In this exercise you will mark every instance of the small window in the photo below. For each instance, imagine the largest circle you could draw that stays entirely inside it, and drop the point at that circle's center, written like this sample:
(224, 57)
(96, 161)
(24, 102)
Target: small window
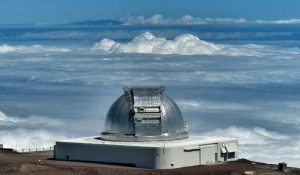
(231, 155)
(172, 164)
(67, 157)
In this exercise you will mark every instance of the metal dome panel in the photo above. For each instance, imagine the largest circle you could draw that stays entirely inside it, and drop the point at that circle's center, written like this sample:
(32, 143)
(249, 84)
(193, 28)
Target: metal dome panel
(144, 114)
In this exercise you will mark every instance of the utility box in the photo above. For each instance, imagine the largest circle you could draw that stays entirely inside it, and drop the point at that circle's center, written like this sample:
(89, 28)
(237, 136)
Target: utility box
(282, 167)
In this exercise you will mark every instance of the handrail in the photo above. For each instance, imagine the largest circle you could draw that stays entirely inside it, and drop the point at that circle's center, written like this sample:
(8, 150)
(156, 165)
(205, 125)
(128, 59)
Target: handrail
(30, 150)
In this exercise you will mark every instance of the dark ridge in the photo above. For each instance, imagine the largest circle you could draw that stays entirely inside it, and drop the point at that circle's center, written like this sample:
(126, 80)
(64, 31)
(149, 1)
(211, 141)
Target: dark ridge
(98, 22)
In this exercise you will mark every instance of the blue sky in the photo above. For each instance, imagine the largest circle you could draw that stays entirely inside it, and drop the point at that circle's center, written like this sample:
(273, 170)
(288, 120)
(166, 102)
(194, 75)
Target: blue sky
(57, 11)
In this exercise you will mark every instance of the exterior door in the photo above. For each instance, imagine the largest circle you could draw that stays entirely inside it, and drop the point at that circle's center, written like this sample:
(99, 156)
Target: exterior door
(207, 154)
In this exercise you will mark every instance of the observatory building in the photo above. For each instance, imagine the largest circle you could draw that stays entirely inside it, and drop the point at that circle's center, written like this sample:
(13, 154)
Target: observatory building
(145, 128)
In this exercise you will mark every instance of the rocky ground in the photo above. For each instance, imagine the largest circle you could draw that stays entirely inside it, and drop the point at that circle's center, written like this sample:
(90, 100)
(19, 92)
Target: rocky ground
(18, 164)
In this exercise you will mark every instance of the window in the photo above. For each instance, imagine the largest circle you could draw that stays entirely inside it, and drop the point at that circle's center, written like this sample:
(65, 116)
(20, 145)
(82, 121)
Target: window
(231, 155)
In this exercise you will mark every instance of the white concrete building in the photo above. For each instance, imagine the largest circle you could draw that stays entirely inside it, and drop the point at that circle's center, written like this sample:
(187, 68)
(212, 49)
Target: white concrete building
(145, 128)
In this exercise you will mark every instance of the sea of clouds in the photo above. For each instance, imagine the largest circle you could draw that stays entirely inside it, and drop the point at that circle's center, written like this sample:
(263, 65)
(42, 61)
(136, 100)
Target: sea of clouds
(254, 143)
(63, 87)
(28, 133)
(148, 43)
(188, 44)
(262, 145)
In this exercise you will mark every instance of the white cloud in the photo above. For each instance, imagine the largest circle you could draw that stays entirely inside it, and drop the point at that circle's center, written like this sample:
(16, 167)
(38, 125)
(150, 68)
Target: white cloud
(255, 136)
(158, 19)
(187, 44)
(131, 20)
(259, 144)
(185, 20)
(30, 132)
(5, 119)
(4, 48)
(24, 138)
(282, 21)
(29, 121)
(274, 152)
(189, 105)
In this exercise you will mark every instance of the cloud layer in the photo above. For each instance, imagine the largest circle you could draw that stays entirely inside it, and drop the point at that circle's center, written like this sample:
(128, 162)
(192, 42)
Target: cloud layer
(187, 44)
(257, 96)
(24, 133)
(255, 136)
(158, 19)
(4, 48)
(262, 145)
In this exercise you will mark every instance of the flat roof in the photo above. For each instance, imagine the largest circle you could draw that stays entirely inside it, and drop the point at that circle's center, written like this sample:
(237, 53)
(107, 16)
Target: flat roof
(200, 140)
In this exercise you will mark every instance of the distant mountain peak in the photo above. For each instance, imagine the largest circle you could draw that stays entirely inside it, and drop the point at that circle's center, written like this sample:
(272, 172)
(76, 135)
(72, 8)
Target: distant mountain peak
(98, 22)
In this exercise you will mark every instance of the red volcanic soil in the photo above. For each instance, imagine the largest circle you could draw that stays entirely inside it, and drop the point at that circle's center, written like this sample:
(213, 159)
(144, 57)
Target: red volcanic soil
(15, 164)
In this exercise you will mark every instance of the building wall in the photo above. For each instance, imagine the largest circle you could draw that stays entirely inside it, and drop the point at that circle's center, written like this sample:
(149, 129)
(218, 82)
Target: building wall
(145, 157)
(140, 157)
(175, 157)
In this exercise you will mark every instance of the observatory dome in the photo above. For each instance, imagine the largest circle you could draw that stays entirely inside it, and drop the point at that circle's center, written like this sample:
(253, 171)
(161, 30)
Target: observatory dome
(144, 114)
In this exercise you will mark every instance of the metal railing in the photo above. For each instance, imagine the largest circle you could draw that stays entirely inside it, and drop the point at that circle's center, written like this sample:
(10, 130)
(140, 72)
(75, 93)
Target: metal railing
(30, 150)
